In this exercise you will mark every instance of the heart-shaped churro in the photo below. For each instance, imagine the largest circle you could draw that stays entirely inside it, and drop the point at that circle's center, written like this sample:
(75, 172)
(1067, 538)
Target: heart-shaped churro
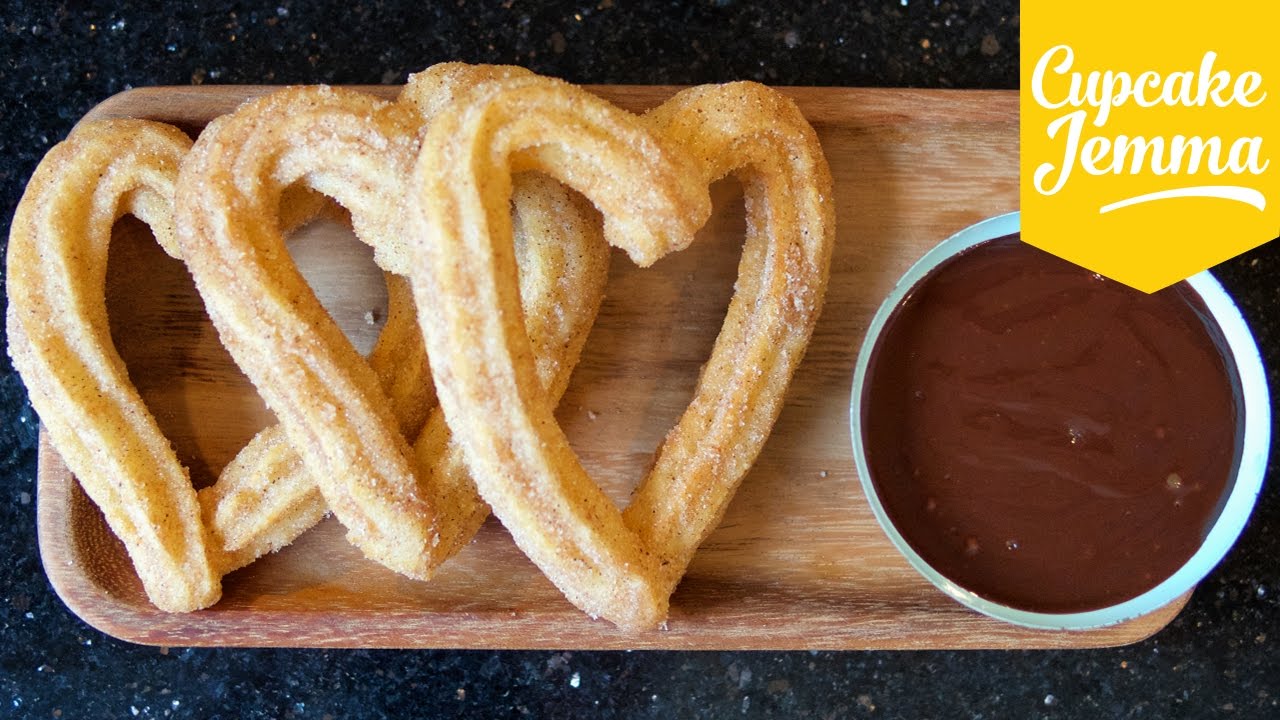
(649, 178)
(408, 509)
(354, 149)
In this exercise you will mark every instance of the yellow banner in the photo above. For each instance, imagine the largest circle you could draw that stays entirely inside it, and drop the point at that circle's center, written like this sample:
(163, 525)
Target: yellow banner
(1150, 134)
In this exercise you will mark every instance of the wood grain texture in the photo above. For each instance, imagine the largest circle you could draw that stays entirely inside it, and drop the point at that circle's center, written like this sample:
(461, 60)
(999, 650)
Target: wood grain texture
(798, 562)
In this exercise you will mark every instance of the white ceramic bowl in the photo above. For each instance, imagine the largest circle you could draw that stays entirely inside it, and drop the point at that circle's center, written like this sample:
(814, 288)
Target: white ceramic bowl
(1243, 491)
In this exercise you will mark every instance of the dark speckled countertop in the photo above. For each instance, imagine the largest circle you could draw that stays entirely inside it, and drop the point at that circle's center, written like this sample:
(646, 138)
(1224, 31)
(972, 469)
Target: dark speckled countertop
(57, 60)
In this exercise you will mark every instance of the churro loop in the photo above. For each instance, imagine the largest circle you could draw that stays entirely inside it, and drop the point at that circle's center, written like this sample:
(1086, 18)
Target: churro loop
(60, 342)
(265, 498)
(649, 179)
(563, 263)
(356, 150)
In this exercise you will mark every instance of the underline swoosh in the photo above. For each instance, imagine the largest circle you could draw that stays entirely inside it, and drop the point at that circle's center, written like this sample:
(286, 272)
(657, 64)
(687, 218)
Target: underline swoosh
(1248, 196)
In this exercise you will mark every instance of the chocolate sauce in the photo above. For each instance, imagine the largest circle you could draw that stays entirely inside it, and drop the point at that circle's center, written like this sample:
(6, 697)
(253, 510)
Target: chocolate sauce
(1047, 438)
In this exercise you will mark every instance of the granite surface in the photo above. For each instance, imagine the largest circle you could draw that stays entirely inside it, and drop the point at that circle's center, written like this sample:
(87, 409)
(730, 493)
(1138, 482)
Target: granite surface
(57, 60)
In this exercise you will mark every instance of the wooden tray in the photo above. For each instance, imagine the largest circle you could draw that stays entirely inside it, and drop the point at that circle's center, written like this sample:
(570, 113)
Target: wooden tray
(798, 562)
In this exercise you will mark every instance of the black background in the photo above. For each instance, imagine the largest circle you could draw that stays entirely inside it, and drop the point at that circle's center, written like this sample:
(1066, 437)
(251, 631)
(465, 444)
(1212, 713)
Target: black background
(56, 61)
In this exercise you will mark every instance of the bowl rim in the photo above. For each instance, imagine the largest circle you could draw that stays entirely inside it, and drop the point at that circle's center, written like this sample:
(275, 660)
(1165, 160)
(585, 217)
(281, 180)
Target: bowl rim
(1226, 529)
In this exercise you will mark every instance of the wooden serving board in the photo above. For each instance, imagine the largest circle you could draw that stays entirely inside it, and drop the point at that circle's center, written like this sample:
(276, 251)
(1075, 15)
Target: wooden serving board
(798, 562)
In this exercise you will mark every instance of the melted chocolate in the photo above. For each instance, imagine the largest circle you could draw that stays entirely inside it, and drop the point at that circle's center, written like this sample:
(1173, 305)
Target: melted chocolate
(1047, 438)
